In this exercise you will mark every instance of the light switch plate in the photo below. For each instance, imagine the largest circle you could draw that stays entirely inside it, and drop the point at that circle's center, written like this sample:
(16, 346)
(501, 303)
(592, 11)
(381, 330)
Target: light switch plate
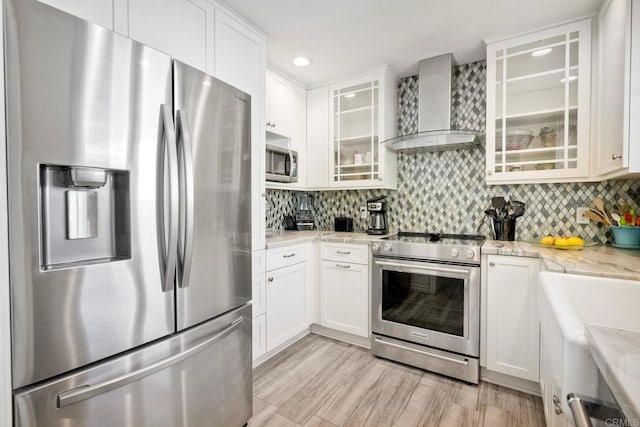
(580, 218)
(363, 212)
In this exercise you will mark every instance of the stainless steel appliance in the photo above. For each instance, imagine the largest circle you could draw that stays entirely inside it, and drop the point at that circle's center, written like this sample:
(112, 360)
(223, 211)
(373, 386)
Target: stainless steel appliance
(377, 207)
(304, 216)
(425, 302)
(130, 255)
(282, 164)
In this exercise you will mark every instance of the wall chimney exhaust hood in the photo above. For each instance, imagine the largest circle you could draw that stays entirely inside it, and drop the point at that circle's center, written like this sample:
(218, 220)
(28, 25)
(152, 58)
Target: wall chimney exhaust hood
(435, 131)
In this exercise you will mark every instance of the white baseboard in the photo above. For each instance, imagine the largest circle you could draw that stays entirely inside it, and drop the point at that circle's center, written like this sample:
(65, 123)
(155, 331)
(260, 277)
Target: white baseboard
(269, 354)
(341, 336)
(526, 386)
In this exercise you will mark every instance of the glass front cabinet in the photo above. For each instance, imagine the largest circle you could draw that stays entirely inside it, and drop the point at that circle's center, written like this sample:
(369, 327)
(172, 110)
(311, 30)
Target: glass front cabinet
(362, 114)
(538, 105)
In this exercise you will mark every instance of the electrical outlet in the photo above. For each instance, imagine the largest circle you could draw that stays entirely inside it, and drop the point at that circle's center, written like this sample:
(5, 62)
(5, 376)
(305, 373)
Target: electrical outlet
(363, 212)
(580, 218)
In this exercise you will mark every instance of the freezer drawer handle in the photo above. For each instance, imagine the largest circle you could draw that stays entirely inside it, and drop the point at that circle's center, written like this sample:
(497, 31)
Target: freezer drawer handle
(185, 156)
(84, 392)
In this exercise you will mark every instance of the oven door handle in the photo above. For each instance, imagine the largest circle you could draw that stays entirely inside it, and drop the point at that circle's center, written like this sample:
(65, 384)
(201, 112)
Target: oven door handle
(423, 267)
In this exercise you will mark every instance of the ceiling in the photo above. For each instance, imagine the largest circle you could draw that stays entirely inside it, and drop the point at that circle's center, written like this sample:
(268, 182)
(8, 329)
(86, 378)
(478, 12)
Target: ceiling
(347, 37)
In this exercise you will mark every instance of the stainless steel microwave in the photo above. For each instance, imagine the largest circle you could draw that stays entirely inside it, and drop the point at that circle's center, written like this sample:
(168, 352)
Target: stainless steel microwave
(282, 164)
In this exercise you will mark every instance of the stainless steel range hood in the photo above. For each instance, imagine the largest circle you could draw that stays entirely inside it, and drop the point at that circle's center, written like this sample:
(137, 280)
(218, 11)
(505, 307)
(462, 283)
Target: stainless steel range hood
(435, 131)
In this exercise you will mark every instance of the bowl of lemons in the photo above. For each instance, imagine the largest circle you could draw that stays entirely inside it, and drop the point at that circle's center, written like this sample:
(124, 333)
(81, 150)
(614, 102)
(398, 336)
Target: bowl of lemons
(567, 243)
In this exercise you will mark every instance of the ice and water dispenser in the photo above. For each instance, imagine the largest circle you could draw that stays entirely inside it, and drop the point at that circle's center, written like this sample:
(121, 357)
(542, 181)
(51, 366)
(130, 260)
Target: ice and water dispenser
(85, 215)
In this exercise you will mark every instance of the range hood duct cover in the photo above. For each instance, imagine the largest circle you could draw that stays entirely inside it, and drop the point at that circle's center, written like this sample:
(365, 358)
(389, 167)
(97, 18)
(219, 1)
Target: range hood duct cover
(435, 131)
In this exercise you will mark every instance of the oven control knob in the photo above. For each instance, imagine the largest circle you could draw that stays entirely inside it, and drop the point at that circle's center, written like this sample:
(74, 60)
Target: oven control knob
(387, 247)
(470, 253)
(455, 252)
(375, 247)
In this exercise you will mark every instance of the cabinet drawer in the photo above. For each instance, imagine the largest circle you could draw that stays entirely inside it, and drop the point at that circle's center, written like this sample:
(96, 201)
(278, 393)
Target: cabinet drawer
(345, 252)
(288, 255)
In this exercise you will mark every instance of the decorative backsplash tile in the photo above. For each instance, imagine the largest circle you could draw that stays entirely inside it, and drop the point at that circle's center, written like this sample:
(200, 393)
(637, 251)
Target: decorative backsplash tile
(446, 191)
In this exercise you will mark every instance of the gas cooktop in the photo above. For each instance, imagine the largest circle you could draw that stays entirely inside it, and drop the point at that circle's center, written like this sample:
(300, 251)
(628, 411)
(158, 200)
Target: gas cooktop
(462, 248)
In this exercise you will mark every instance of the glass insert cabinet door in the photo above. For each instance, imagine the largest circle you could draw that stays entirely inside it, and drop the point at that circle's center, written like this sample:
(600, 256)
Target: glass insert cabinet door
(538, 104)
(356, 132)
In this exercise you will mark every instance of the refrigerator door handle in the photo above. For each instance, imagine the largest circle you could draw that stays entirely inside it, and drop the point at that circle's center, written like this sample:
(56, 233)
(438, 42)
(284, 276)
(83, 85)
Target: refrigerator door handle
(186, 185)
(168, 244)
(87, 391)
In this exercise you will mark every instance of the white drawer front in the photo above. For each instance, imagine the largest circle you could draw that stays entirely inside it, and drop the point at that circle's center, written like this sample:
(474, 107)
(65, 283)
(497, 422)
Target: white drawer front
(288, 255)
(345, 252)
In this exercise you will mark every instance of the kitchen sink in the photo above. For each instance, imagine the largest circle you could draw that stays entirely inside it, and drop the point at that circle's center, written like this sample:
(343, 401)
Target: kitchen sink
(567, 302)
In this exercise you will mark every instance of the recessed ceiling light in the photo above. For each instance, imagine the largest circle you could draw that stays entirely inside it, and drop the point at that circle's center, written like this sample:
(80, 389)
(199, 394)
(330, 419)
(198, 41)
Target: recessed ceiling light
(301, 61)
(350, 95)
(541, 52)
(571, 78)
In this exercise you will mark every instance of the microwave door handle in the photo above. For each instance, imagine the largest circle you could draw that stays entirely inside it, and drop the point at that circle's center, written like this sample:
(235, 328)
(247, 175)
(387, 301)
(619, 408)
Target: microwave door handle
(424, 267)
(87, 391)
(167, 222)
(185, 246)
(287, 164)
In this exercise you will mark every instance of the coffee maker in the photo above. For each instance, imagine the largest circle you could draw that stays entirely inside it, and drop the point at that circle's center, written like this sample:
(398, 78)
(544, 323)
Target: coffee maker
(304, 217)
(377, 208)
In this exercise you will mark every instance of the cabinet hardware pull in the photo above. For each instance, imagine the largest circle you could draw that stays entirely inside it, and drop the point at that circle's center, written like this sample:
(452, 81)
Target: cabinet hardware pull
(343, 266)
(556, 405)
(269, 124)
(273, 125)
(288, 256)
(615, 156)
(270, 279)
(489, 172)
(344, 252)
(492, 264)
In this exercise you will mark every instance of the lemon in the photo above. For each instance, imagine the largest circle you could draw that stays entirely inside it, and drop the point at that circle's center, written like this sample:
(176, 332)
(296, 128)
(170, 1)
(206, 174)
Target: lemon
(547, 240)
(562, 241)
(575, 241)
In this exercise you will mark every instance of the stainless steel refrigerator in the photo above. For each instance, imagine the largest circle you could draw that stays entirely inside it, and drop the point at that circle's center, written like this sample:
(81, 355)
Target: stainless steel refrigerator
(130, 230)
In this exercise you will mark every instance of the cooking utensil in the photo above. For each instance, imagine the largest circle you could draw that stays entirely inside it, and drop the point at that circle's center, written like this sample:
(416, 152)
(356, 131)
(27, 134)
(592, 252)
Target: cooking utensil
(499, 203)
(616, 218)
(599, 204)
(596, 216)
(491, 213)
(518, 209)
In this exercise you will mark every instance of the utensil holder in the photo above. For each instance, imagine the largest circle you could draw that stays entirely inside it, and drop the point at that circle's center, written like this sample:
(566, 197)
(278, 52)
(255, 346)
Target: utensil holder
(503, 229)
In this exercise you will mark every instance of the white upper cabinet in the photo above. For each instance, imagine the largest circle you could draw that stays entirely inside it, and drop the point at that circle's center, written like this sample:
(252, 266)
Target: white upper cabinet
(617, 146)
(362, 114)
(538, 105)
(286, 122)
(318, 138)
(176, 27)
(97, 11)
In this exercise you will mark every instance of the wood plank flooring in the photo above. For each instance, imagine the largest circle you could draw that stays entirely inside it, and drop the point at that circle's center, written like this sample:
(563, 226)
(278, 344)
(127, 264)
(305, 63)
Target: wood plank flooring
(320, 382)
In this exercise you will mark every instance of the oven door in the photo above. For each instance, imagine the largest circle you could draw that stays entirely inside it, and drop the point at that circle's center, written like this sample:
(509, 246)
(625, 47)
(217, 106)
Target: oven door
(426, 303)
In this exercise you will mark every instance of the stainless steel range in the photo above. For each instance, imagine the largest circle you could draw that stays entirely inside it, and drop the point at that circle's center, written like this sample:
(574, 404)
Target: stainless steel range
(425, 304)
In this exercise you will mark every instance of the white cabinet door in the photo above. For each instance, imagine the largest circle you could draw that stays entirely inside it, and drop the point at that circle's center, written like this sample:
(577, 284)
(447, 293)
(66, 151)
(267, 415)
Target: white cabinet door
(280, 111)
(512, 319)
(258, 286)
(259, 336)
(286, 303)
(344, 302)
(258, 198)
(318, 137)
(97, 11)
(176, 27)
(613, 90)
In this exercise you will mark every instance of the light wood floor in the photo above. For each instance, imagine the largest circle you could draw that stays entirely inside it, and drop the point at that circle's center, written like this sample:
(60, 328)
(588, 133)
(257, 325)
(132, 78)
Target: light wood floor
(320, 382)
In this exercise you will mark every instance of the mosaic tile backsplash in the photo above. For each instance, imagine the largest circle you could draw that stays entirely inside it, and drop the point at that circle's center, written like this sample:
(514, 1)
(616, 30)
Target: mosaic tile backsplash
(446, 191)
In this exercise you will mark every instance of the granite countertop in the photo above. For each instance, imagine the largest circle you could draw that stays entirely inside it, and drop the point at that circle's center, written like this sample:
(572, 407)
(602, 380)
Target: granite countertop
(603, 261)
(617, 355)
(284, 238)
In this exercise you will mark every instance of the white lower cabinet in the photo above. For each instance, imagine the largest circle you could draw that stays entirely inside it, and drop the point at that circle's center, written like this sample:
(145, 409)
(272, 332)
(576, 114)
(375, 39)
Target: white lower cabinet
(344, 304)
(512, 326)
(286, 303)
(259, 336)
